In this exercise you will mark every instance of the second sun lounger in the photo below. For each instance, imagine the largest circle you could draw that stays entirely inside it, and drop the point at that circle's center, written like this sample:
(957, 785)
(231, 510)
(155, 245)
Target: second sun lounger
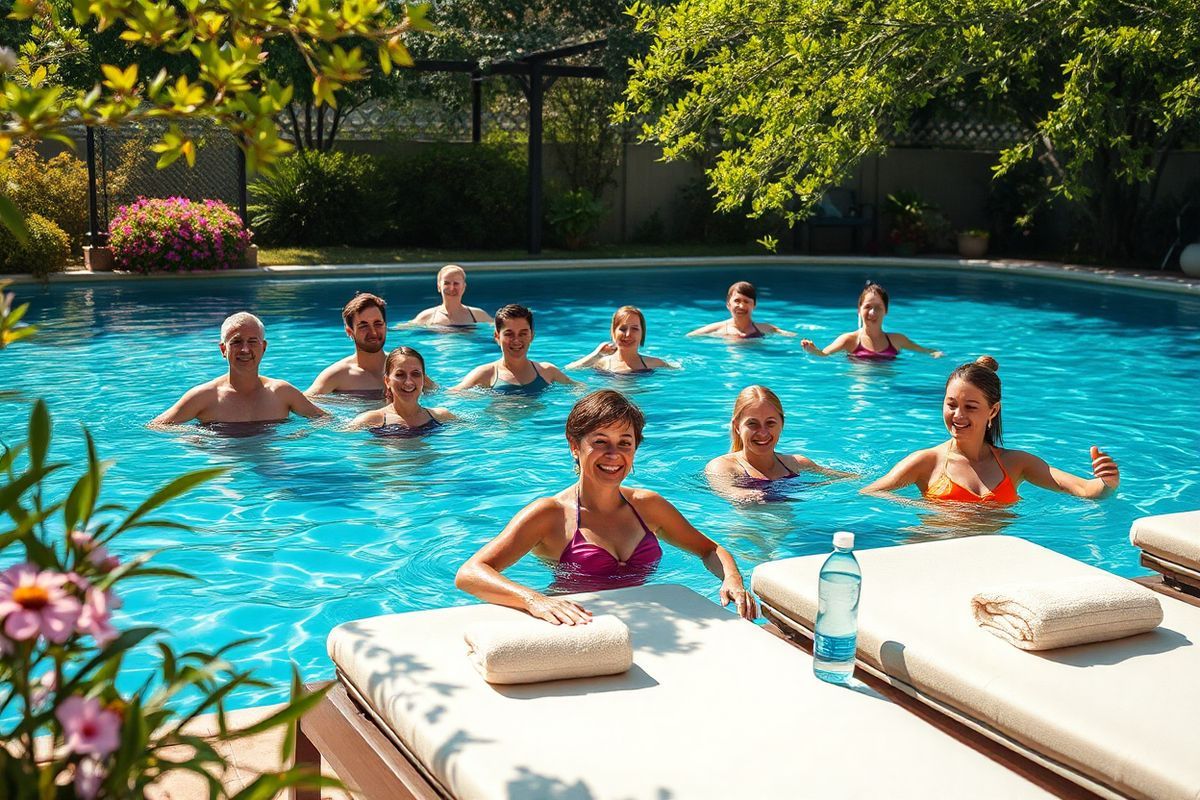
(714, 707)
(1170, 544)
(1117, 717)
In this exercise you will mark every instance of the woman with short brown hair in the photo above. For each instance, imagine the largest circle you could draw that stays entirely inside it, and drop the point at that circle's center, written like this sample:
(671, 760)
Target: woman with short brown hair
(598, 534)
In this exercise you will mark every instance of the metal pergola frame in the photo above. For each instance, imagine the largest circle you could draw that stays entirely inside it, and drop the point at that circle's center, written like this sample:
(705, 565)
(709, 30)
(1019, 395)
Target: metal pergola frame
(534, 73)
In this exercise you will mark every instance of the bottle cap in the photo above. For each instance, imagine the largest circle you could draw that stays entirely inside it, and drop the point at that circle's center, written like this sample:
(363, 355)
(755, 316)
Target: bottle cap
(843, 540)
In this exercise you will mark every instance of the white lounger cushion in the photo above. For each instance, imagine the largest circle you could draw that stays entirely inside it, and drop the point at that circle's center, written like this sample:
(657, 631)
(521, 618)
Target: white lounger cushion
(1122, 713)
(714, 707)
(1171, 537)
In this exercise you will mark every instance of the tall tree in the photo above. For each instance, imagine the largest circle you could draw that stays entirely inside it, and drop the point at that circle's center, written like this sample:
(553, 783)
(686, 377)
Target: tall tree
(798, 93)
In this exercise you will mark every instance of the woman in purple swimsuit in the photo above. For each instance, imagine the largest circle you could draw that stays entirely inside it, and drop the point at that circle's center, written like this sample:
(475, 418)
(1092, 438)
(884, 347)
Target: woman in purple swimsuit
(600, 535)
(753, 470)
(741, 300)
(869, 342)
(404, 379)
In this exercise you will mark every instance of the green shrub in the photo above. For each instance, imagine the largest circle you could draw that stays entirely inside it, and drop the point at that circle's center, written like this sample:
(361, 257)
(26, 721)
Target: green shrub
(55, 188)
(45, 252)
(573, 217)
(455, 195)
(316, 198)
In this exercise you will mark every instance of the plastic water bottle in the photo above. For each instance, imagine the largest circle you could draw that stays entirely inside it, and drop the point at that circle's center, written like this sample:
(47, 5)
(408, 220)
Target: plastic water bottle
(836, 628)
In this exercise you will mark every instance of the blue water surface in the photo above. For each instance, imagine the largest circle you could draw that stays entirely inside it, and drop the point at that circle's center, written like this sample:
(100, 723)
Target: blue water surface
(314, 526)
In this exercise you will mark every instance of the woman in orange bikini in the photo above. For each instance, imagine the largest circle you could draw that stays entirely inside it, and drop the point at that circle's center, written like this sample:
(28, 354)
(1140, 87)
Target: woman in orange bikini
(972, 467)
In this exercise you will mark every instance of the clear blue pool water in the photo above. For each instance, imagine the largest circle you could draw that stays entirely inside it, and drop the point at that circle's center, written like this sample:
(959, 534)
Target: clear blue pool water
(314, 526)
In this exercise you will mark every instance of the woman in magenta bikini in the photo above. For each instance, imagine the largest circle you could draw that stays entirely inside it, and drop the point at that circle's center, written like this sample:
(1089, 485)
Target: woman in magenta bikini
(599, 534)
(869, 342)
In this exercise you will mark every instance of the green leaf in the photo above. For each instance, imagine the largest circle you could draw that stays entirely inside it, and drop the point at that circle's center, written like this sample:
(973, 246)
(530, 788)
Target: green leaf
(294, 711)
(13, 219)
(39, 433)
(174, 489)
(126, 640)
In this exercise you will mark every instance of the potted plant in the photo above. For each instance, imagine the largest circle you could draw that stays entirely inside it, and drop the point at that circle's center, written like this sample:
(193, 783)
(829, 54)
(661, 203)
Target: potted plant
(909, 213)
(574, 215)
(973, 243)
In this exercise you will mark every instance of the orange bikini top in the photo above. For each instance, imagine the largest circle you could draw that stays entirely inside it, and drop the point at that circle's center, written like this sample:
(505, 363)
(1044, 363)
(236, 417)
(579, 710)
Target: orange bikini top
(943, 488)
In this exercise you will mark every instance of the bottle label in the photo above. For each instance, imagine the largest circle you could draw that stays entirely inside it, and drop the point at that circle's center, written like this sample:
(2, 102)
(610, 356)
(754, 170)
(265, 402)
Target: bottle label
(835, 648)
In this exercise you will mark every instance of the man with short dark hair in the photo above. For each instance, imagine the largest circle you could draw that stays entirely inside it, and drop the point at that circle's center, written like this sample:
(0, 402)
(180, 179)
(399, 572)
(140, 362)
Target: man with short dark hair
(361, 373)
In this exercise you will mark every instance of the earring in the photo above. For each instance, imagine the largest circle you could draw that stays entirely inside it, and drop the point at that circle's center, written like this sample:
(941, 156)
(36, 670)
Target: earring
(577, 466)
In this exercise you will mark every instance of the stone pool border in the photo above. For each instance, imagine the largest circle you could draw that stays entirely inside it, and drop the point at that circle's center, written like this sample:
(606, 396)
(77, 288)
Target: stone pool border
(1151, 280)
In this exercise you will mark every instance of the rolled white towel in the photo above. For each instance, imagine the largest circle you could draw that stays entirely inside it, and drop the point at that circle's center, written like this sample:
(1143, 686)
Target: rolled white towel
(528, 650)
(1067, 612)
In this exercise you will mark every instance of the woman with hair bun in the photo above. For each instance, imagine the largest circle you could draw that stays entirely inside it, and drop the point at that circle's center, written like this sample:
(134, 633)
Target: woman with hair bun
(972, 467)
(621, 354)
(753, 463)
(598, 534)
(404, 379)
(869, 342)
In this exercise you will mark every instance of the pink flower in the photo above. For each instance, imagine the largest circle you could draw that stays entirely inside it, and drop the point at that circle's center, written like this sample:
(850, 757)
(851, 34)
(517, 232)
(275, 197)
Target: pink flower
(88, 727)
(95, 618)
(33, 603)
(97, 554)
(89, 774)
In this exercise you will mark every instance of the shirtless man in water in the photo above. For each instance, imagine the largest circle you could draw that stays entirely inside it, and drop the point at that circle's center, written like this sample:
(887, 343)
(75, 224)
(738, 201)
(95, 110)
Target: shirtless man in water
(360, 373)
(241, 395)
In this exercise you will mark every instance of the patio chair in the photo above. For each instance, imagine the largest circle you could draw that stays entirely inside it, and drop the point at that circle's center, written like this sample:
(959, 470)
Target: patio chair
(1170, 544)
(714, 706)
(840, 209)
(1116, 717)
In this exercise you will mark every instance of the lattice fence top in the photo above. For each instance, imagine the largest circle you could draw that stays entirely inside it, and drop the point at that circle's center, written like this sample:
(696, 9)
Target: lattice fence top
(427, 120)
(965, 132)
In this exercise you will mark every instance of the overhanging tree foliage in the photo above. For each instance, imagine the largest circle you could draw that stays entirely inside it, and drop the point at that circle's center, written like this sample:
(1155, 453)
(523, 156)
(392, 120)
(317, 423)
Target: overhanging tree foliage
(798, 93)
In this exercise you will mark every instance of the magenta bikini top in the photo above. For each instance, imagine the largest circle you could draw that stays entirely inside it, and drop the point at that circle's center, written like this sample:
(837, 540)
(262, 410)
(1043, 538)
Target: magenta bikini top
(888, 352)
(584, 566)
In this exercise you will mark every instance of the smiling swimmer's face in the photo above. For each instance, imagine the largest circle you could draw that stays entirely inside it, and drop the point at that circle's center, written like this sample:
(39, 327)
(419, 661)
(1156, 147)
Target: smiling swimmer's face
(739, 305)
(369, 330)
(966, 411)
(515, 337)
(244, 347)
(406, 379)
(759, 427)
(452, 283)
(606, 454)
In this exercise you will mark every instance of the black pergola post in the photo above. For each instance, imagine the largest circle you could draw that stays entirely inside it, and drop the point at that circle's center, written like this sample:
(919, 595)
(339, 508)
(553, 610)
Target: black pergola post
(96, 237)
(535, 157)
(476, 107)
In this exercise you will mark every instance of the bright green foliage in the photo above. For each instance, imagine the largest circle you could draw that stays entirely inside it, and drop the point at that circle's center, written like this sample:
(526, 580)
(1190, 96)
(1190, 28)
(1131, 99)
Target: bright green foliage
(44, 250)
(56, 188)
(797, 93)
(63, 537)
(11, 327)
(218, 50)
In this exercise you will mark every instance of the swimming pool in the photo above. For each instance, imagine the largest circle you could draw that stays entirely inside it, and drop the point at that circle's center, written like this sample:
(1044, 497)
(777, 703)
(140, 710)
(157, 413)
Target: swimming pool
(314, 526)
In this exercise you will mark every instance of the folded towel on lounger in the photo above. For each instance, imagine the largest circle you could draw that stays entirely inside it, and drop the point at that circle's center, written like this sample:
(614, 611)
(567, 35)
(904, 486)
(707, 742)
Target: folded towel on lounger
(1067, 612)
(528, 650)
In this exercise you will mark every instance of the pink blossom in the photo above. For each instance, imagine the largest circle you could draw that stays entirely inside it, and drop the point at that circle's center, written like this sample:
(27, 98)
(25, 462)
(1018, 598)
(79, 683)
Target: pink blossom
(89, 774)
(35, 603)
(97, 554)
(95, 618)
(88, 727)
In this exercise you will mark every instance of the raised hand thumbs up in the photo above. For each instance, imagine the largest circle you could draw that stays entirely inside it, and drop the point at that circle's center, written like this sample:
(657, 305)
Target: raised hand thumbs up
(1104, 468)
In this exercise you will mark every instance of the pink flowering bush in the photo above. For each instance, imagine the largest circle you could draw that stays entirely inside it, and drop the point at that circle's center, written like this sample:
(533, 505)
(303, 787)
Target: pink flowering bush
(177, 235)
(61, 650)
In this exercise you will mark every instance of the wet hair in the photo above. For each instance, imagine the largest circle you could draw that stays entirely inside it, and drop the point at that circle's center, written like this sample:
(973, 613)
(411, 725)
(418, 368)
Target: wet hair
(449, 268)
(513, 311)
(873, 288)
(360, 303)
(403, 351)
(234, 321)
(982, 374)
(630, 311)
(745, 398)
(744, 288)
(600, 409)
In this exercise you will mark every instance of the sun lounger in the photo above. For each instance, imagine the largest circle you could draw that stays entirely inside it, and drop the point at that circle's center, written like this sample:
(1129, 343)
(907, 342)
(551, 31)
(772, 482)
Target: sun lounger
(1117, 717)
(1170, 544)
(714, 707)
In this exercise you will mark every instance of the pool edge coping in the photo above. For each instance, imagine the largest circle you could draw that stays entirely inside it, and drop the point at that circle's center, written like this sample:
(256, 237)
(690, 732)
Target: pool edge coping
(1152, 281)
